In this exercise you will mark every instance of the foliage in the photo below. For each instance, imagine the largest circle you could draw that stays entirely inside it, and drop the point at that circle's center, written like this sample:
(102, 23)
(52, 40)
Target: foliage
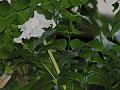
(84, 47)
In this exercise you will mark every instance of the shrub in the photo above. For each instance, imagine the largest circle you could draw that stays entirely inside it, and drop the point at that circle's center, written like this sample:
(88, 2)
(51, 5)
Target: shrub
(61, 45)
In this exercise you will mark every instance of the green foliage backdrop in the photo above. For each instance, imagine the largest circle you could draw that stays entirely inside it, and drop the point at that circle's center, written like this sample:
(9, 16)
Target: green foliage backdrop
(83, 44)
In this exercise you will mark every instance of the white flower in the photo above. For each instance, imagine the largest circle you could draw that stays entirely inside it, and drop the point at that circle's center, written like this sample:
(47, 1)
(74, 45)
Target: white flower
(34, 27)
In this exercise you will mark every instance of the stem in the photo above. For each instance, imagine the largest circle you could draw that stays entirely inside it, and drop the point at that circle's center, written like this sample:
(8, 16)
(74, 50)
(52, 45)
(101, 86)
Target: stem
(69, 38)
(53, 59)
(68, 43)
(41, 62)
(49, 71)
(116, 85)
(29, 49)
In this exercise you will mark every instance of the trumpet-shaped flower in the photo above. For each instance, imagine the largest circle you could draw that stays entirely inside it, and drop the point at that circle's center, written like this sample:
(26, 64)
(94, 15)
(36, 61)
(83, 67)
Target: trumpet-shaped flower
(34, 27)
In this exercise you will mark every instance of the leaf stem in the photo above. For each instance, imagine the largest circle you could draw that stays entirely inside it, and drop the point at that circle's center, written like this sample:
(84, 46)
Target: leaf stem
(29, 49)
(49, 71)
(53, 59)
(41, 62)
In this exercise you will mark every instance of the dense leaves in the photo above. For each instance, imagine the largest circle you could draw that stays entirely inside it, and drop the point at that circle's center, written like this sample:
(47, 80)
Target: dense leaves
(83, 46)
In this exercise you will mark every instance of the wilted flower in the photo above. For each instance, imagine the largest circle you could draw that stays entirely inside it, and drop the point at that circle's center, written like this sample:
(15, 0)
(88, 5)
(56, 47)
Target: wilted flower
(34, 27)
(4, 79)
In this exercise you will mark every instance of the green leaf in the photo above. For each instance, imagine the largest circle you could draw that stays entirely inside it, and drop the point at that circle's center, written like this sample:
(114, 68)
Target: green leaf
(96, 44)
(15, 83)
(8, 69)
(117, 16)
(116, 27)
(76, 18)
(67, 15)
(6, 41)
(78, 2)
(20, 4)
(95, 79)
(24, 15)
(75, 76)
(59, 44)
(75, 31)
(63, 28)
(76, 44)
(44, 36)
(4, 8)
(3, 25)
(4, 53)
(6, 45)
(86, 53)
(64, 4)
(44, 83)
(24, 53)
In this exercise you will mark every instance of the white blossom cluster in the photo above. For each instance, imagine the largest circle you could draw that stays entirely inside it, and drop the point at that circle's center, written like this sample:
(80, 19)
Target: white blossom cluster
(34, 27)
(9, 1)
